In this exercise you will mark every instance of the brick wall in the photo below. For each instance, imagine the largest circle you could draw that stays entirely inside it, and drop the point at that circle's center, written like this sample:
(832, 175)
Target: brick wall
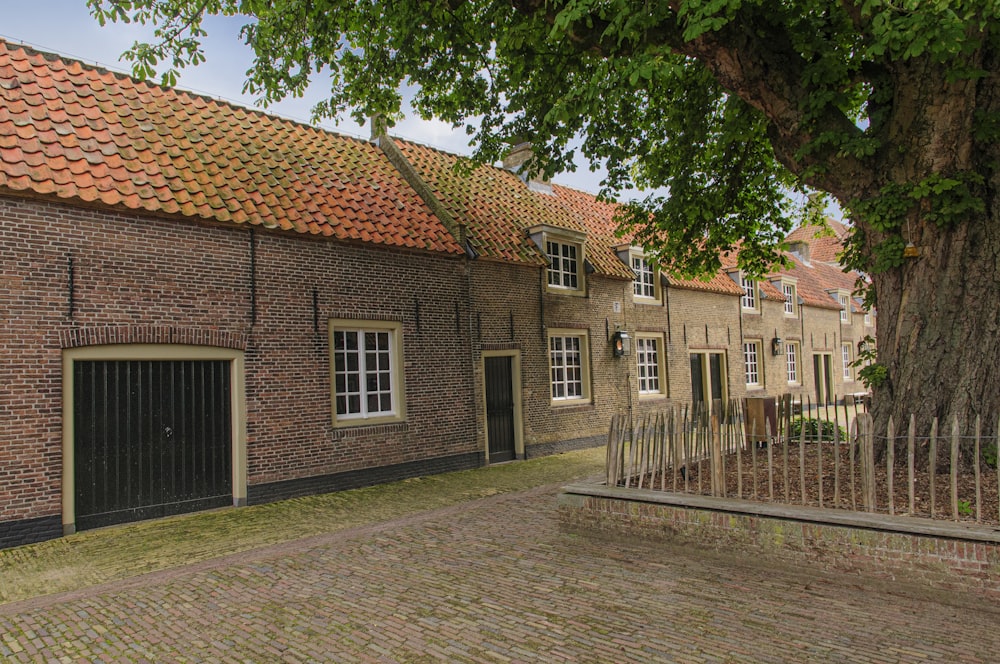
(511, 309)
(141, 279)
(704, 322)
(950, 557)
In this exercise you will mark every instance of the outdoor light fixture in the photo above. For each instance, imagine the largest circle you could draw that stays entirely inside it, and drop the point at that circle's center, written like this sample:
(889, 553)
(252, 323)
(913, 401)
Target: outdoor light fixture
(776, 346)
(621, 343)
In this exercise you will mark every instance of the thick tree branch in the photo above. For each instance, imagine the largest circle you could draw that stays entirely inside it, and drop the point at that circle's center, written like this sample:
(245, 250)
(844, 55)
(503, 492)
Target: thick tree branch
(755, 61)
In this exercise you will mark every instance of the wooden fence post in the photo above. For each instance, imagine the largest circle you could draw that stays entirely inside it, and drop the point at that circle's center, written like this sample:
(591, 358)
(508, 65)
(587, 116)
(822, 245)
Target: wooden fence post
(802, 462)
(738, 420)
(979, 489)
(932, 465)
(954, 467)
(836, 453)
(911, 461)
(715, 457)
(866, 436)
(770, 459)
(890, 459)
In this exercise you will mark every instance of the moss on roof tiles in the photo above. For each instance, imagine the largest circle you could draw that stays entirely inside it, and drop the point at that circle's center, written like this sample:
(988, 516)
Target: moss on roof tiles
(124, 127)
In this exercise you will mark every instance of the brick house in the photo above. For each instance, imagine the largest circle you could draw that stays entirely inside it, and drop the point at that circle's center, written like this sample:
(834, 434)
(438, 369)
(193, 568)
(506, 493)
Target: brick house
(184, 287)
(203, 305)
(551, 283)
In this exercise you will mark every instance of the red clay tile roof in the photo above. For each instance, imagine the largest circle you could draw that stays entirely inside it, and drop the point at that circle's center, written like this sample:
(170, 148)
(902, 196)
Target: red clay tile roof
(813, 282)
(824, 247)
(87, 135)
(496, 207)
(719, 283)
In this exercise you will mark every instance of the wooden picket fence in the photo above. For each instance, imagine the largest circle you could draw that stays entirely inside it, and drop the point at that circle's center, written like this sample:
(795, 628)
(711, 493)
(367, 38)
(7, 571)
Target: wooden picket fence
(714, 450)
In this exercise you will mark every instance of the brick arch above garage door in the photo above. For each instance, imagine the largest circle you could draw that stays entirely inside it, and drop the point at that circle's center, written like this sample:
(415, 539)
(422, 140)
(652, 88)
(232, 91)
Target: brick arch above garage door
(152, 334)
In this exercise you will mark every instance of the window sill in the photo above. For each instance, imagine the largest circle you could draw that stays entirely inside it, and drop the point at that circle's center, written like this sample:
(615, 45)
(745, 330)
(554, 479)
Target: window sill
(352, 423)
(569, 404)
(572, 292)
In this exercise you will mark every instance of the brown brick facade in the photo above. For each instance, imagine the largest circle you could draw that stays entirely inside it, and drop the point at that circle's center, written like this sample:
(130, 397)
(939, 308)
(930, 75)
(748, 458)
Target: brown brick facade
(73, 277)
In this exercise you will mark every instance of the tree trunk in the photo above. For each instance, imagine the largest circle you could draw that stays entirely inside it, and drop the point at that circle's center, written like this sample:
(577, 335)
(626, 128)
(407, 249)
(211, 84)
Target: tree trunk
(938, 314)
(939, 329)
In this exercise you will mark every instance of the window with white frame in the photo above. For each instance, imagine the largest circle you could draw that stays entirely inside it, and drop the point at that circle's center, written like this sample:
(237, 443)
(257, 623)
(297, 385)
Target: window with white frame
(644, 286)
(568, 365)
(845, 355)
(845, 308)
(790, 298)
(366, 371)
(564, 264)
(749, 299)
(868, 318)
(751, 360)
(792, 361)
(649, 364)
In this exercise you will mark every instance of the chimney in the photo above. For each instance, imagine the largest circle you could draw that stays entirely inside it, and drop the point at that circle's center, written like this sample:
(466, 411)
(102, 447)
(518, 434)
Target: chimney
(514, 162)
(801, 249)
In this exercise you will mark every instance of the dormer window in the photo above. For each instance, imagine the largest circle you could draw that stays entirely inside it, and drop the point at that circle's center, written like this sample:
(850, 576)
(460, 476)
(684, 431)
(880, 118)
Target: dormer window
(845, 307)
(791, 298)
(645, 286)
(564, 264)
(564, 249)
(749, 299)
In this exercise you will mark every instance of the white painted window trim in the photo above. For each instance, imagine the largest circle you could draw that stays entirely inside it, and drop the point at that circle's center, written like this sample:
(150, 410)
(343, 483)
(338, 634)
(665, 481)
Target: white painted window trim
(569, 366)
(751, 363)
(650, 375)
(370, 365)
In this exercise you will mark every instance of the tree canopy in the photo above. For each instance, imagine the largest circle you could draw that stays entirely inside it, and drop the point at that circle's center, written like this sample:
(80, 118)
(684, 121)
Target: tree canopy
(890, 106)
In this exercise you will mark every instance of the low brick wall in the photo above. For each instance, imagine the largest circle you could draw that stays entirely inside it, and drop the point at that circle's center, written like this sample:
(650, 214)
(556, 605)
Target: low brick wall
(933, 553)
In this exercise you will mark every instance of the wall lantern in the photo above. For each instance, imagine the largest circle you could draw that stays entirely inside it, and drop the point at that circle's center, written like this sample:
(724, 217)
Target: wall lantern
(776, 346)
(621, 343)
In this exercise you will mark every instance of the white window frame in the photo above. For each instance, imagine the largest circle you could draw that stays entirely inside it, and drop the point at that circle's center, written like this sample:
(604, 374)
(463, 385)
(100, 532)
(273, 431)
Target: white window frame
(370, 366)
(792, 362)
(569, 366)
(649, 362)
(791, 298)
(564, 269)
(845, 358)
(845, 307)
(868, 318)
(749, 299)
(645, 286)
(752, 363)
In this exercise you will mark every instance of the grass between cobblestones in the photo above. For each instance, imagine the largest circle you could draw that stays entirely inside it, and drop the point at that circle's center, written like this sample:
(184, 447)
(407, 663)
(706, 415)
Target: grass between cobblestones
(98, 556)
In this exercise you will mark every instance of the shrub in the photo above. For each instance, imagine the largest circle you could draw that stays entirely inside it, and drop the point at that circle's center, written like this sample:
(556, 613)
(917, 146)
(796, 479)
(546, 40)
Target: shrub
(813, 425)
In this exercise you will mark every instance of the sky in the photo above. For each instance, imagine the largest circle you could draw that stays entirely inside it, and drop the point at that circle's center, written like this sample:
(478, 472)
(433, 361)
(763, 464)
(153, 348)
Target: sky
(65, 27)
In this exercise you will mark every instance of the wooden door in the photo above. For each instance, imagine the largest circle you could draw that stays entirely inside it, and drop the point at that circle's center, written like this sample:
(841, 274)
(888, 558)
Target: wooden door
(500, 415)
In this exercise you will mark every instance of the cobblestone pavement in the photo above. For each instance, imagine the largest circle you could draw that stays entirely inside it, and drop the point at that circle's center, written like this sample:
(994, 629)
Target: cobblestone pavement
(494, 580)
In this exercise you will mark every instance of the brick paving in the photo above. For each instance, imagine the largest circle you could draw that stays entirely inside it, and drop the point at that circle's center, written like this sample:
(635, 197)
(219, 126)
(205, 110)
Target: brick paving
(494, 580)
